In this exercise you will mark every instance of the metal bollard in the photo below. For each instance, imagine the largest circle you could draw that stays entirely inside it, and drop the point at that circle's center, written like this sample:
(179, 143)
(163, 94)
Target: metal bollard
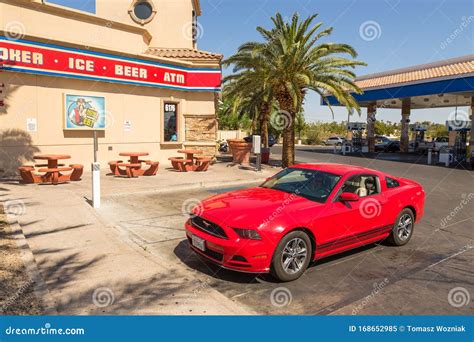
(429, 156)
(95, 185)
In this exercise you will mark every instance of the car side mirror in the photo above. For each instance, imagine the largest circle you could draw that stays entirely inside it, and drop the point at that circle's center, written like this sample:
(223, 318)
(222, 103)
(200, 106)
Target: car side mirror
(348, 197)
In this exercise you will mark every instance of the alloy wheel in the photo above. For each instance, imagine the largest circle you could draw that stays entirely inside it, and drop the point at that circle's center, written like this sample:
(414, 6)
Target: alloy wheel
(405, 226)
(294, 255)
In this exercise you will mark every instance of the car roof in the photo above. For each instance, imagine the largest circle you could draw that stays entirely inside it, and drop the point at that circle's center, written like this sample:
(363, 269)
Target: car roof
(337, 169)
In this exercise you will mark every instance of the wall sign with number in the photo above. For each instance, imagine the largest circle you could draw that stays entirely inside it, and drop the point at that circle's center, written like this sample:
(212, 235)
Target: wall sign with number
(170, 122)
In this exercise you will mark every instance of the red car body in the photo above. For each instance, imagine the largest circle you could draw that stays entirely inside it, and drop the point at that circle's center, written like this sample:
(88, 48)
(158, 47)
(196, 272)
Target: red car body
(333, 226)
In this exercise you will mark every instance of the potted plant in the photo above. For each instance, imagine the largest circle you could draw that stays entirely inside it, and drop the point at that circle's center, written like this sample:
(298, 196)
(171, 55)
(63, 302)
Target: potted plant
(240, 150)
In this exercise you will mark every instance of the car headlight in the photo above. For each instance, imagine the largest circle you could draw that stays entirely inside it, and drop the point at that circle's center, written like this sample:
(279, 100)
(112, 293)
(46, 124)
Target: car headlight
(250, 234)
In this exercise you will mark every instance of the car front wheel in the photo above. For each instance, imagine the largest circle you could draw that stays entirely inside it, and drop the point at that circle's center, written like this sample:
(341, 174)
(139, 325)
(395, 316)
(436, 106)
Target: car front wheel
(402, 230)
(292, 256)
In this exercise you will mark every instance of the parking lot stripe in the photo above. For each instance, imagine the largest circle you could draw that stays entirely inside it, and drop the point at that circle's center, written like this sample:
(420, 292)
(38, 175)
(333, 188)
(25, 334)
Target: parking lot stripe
(464, 249)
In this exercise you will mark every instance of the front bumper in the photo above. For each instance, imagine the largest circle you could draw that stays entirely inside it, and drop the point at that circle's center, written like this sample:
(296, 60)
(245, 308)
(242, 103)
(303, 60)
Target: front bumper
(252, 256)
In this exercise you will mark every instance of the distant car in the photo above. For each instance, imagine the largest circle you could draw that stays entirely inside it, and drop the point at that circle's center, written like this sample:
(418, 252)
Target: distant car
(382, 139)
(271, 139)
(440, 142)
(390, 146)
(328, 209)
(338, 141)
(435, 145)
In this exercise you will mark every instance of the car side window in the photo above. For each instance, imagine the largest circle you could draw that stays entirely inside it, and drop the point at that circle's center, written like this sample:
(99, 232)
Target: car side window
(362, 185)
(391, 183)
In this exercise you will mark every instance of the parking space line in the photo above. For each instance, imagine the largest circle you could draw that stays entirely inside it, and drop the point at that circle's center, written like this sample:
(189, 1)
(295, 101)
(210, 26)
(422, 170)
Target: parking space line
(464, 249)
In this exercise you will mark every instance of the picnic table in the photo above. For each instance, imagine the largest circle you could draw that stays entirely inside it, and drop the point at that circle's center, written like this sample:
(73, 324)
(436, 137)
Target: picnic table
(190, 162)
(52, 159)
(190, 153)
(133, 168)
(53, 170)
(134, 156)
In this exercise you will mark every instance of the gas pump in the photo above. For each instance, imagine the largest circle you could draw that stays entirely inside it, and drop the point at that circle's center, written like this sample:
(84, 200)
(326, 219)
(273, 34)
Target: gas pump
(357, 129)
(418, 131)
(459, 150)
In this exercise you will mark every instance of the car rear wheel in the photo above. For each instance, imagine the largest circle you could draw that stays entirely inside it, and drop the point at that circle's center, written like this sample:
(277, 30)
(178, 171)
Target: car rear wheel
(403, 228)
(292, 256)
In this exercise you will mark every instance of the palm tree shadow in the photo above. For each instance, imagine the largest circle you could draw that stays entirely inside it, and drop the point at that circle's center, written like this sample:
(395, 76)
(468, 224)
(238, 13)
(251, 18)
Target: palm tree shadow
(17, 148)
(109, 297)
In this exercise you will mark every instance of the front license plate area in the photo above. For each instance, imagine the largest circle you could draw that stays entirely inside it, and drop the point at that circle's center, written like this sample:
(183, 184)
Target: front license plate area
(198, 243)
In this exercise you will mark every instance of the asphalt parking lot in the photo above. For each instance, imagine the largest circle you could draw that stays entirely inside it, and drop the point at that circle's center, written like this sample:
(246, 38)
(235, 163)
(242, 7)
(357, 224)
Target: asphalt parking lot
(432, 274)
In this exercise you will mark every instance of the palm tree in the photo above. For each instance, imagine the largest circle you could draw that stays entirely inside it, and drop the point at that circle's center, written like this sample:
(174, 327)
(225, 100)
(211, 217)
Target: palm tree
(249, 91)
(295, 62)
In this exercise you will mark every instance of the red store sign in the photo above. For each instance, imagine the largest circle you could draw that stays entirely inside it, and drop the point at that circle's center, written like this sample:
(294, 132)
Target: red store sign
(45, 59)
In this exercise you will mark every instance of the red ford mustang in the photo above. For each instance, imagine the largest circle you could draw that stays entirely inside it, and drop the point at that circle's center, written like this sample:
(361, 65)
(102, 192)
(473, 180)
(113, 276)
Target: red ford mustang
(303, 213)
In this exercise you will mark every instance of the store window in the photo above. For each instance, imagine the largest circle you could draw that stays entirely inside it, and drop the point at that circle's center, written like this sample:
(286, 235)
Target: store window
(142, 11)
(170, 122)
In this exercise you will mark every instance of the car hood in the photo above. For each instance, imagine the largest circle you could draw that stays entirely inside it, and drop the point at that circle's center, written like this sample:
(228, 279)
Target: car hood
(250, 208)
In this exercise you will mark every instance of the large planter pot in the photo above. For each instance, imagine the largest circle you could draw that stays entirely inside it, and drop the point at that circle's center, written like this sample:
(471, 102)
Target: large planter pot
(240, 151)
(265, 155)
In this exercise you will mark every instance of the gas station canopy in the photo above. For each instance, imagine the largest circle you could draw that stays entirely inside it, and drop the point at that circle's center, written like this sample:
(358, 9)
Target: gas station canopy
(446, 83)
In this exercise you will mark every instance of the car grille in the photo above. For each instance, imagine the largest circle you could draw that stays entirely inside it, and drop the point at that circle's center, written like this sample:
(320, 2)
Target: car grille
(208, 227)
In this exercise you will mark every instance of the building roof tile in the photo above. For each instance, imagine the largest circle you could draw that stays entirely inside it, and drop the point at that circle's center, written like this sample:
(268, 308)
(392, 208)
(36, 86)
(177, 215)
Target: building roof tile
(184, 53)
(419, 73)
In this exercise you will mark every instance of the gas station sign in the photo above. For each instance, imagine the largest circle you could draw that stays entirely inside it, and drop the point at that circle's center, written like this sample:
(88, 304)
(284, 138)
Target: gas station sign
(53, 60)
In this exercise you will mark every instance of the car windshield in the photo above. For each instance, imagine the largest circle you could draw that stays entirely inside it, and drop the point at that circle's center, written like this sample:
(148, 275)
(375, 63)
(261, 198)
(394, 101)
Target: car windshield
(314, 185)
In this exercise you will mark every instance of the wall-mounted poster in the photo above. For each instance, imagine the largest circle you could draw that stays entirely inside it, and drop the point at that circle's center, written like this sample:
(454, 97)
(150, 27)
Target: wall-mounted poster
(84, 112)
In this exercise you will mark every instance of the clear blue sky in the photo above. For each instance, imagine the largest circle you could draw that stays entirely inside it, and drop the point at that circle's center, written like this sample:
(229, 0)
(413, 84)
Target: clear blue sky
(411, 32)
(407, 32)
(83, 5)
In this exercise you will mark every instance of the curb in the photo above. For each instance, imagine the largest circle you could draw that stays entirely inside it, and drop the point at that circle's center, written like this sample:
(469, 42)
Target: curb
(193, 186)
(32, 271)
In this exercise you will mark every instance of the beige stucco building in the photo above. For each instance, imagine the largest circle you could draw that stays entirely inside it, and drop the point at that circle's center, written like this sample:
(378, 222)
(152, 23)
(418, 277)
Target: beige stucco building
(155, 90)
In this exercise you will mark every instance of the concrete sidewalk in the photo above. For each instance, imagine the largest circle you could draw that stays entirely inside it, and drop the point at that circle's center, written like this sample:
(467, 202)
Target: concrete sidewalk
(169, 180)
(89, 267)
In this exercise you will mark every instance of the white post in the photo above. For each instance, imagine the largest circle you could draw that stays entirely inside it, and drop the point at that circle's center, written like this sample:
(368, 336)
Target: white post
(95, 185)
(448, 160)
(95, 167)
(344, 146)
(335, 149)
(429, 156)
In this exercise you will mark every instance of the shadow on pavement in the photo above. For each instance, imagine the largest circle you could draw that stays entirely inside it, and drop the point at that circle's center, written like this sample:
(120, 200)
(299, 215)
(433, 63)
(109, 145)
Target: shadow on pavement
(198, 263)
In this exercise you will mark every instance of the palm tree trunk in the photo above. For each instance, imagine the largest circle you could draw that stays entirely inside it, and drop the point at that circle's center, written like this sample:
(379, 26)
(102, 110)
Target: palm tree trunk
(288, 150)
(264, 124)
(288, 154)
